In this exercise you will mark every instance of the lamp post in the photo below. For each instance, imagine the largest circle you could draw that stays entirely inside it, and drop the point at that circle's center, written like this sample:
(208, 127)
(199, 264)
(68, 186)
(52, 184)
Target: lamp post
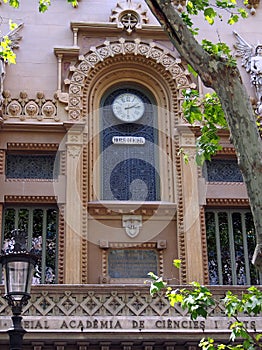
(18, 267)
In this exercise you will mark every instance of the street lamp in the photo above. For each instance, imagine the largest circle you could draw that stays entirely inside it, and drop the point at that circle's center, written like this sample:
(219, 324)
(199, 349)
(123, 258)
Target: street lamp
(18, 267)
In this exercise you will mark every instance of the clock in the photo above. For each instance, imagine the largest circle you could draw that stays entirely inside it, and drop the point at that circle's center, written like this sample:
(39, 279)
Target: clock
(128, 107)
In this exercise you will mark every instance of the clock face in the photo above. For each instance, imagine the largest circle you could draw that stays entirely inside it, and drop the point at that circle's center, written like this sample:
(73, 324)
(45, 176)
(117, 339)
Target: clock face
(128, 107)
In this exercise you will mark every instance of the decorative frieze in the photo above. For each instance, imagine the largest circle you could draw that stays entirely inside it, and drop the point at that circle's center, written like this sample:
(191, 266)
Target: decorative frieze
(25, 109)
(103, 309)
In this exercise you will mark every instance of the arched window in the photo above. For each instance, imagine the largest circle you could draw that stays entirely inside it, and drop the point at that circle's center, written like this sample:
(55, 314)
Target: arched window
(129, 145)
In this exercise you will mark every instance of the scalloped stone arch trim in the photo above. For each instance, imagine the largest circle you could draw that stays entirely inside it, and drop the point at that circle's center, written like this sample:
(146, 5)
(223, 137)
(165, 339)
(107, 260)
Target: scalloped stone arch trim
(87, 62)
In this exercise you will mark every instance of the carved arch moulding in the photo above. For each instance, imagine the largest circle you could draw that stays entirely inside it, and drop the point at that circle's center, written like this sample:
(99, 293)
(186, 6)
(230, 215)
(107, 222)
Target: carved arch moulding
(81, 70)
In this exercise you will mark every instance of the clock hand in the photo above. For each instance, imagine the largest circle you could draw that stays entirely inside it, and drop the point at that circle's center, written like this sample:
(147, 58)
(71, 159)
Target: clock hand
(135, 105)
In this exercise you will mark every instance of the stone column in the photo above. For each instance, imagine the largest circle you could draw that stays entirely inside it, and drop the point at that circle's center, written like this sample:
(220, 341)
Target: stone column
(73, 207)
(127, 345)
(60, 346)
(148, 345)
(170, 345)
(191, 209)
(104, 345)
(82, 345)
(38, 345)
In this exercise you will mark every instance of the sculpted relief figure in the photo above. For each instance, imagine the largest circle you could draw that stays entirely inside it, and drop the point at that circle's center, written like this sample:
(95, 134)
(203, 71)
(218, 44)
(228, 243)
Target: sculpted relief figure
(256, 74)
(252, 61)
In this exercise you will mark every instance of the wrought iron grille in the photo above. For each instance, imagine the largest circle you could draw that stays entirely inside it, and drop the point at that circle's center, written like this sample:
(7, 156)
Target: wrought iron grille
(231, 243)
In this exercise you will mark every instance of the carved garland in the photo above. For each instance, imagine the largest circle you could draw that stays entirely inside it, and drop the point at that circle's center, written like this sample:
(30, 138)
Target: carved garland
(81, 71)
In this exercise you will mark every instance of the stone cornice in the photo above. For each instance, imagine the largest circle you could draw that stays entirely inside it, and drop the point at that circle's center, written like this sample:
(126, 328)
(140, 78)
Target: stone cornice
(34, 127)
(67, 51)
(104, 29)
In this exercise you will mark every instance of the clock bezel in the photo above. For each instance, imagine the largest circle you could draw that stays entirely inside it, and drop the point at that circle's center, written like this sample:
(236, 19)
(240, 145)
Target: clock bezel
(119, 116)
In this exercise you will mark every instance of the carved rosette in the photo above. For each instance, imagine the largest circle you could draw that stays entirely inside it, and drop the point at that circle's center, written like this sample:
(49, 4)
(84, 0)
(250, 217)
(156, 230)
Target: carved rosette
(129, 15)
(123, 47)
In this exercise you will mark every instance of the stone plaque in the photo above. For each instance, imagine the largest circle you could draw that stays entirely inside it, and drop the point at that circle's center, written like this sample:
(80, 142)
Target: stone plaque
(132, 263)
(128, 140)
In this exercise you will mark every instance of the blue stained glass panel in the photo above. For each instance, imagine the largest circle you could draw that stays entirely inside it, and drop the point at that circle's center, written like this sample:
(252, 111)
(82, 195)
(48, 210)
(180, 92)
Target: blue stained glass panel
(130, 171)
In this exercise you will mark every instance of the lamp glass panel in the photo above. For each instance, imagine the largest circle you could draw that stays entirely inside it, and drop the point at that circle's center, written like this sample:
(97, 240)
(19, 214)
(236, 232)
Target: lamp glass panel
(19, 278)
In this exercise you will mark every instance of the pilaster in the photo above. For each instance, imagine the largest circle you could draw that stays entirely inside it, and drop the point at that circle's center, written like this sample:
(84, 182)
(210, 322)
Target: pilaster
(191, 208)
(73, 207)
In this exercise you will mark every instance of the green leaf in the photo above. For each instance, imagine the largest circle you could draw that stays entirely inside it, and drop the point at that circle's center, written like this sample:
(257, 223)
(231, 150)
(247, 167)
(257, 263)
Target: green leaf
(14, 3)
(191, 70)
(177, 263)
(233, 19)
(74, 3)
(44, 5)
(210, 15)
(157, 284)
(175, 297)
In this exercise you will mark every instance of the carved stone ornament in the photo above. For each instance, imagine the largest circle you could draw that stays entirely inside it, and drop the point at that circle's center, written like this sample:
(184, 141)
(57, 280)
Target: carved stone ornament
(252, 5)
(129, 15)
(179, 4)
(132, 224)
(121, 47)
(252, 61)
(38, 109)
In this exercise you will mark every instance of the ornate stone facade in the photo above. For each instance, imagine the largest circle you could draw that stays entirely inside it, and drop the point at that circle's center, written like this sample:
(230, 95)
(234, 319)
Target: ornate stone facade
(54, 103)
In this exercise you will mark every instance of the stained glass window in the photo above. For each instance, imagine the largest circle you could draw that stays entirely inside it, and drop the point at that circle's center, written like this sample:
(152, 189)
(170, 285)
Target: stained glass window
(32, 166)
(41, 225)
(222, 170)
(231, 243)
(130, 171)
